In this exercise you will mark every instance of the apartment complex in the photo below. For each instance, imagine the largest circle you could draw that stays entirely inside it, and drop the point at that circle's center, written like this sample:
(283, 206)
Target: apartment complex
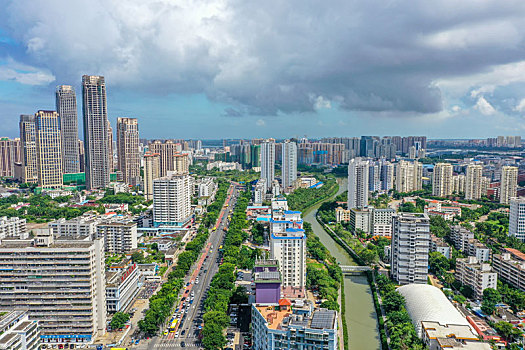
(510, 266)
(13, 228)
(358, 183)
(517, 218)
(151, 172)
(473, 181)
(60, 282)
(408, 176)
(508, 184)
(410, 248)
(289, 165)
(81, 226)
(49, 149)
(17, 332)
(442, 182)
(66, 106)
(166, 151)
(461, 236)
(122, 286)
(458, 182)
(128, 150)
(268, 161)
(120, 234)
(295, 326)
(475, 274)
(96, 141)
(181, 164)
(7, 157)
(172, 200)
(28, 148)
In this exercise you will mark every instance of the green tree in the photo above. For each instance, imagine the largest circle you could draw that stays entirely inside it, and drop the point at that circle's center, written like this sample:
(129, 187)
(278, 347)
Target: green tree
(507, 330)
(119, 320)
(490, 298)
(393, 302)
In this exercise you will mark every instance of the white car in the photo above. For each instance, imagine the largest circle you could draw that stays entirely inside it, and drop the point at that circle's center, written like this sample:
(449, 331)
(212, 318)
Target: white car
(177, 334)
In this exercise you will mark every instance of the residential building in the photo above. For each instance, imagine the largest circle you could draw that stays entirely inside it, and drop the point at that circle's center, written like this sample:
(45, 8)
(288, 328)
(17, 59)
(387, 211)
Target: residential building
(96, 142)
(374, 177)
(48, 149)
(294, 326)
(167, 151)
(517, 218)
(461, 236)
(66, 106)
(410, 248)
(478, 276)
(259, 192)
(181, 164)
(67, 277)
(437, 244)
(111, 151)
(7, 157)
(267, 279)
(473, 181)
(120, 234)
(13, 227)
(387, 176)
(206, 187)
(360, 220)
(442, 182)
(151, 172)
(122, 286)
(459, 184)
(381, 221)
(358, 183)
(508, 184)
(289, 165)
(451, 337)
(82, 226)
(510, 266)
(342, 215)
(17, 332)
(408, 176)
(128, 150)
(28, 148)
(172, 200)
(478, 250)
(268, 161)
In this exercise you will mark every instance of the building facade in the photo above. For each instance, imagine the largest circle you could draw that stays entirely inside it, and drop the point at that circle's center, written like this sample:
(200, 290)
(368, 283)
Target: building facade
(13, 227)
(128, 150)
(473, 180)
(517, 218)
(289, 165)
(268, 161)
(151, 172)
(172, 200)
(120, 235)
(408, 176)
(28, 148)
(442, 182)
(18, 332)
(475, 274)
(358, 183)
(508, 184)
(66, 106)
(49, 149)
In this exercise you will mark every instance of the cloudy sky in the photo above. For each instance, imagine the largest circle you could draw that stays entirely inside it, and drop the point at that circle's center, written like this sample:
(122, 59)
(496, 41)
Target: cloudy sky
(238, 68)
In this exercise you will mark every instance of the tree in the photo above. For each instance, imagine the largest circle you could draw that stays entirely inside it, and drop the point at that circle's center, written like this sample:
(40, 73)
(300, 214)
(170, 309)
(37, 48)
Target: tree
(239, 296)
(137, 258)
(490, 298)
(439, 264)
(507, 330)
(119, 320)
(393, 302)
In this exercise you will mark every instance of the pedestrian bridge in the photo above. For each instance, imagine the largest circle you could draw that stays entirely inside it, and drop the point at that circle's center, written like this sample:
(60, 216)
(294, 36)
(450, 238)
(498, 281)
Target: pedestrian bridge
(354, 269)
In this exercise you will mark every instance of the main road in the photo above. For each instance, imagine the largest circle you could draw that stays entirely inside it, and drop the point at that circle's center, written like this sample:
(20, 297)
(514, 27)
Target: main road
(189, 311)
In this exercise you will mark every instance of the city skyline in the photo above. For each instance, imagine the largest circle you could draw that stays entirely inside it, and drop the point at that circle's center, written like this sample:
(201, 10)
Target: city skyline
(456, 76)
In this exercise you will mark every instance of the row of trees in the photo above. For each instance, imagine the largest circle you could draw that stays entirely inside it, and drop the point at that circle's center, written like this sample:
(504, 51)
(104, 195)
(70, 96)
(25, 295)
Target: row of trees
(302, 198)
(213, 210)
(221, 287)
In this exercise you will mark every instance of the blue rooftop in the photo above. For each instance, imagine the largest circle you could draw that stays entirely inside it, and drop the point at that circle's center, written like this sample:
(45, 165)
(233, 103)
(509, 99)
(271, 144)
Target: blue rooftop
(292, 212)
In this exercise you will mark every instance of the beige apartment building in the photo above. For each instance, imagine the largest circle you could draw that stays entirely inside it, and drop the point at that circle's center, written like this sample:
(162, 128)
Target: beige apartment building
(151, 172)
(128, 150)
(442, 181)
(473, 188)
(28, 152)
(49, 149)
(508, 184)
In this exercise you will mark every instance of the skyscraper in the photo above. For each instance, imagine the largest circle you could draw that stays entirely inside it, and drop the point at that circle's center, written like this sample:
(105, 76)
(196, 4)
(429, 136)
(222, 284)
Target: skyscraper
(172, 200)
(151, 172)
(49, 149)
(128, 150)
(410, 248)
(442, 181)
(167, 151)
(289, 165)
(181, 163)
(473, 181)
(268, 161)
(66, 105)
(508, 184)
(96, 141)
(408, 176)
(28, 148)
(517, 218)
(7, 157)
(358, 183)
(111, 154)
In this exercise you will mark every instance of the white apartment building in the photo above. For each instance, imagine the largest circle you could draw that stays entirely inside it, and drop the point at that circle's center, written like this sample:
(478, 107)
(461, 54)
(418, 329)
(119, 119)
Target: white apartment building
(85, 225)
(461, 236)
(60, 282)
(473, 180)
(151, 172)
(509, 184)
(172, 200)
(259, 192)
(268, 161)
(442, 182)
(13, 227)
(121, 288)
(410, 248)
(369, 220)
(408, 176)
(510, 266)
(360, 220)
(479, 276)
(206, 187)
(358, 183)
(289, 165)
(478, 250)
(459, 183)
(437, 244)
(387, 176)
(374, 177)
(517, 218)
(120, 234)
(17, 332)
(381, 221)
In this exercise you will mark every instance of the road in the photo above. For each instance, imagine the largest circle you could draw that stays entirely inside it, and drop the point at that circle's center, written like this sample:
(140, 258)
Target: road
(186, 330)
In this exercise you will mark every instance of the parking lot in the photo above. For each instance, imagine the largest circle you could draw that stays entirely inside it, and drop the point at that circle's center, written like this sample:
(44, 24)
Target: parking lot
(148, 289)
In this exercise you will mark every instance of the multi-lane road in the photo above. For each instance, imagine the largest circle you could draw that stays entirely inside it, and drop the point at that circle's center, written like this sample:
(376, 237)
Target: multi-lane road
(190, 310)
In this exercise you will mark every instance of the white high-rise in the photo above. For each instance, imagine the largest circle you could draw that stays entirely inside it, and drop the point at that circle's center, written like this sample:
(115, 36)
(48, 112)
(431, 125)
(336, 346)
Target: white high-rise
(442, 181)
(409, 176)
(410, 248)
(151, 172)
(66, 105)
(517, 218)
(172, 200)
(358, 183)
(387, 176)
(473, 181)
(289, 168)
(268, 161)
(509, 184)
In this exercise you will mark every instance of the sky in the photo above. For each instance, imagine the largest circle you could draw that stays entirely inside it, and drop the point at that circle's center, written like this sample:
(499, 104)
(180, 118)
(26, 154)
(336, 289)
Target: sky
(241, 69)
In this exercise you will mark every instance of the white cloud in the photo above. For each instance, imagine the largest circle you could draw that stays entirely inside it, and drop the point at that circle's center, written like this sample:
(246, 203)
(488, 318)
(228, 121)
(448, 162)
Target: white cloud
(322, 103)
(521, 106)
(25, 74)
(456, 108)
(484, 107)
(260, 122)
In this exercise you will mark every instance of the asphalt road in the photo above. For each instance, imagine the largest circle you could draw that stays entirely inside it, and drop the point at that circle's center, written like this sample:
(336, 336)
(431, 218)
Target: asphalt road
(203, 270)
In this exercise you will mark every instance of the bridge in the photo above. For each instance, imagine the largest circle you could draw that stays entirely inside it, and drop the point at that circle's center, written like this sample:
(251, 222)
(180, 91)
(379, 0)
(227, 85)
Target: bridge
(354, 269)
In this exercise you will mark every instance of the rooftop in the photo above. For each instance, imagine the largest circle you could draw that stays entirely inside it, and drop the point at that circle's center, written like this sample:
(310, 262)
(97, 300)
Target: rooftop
(280, 317)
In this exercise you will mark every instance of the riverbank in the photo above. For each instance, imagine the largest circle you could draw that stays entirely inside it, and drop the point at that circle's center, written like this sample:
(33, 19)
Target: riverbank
(357, 307)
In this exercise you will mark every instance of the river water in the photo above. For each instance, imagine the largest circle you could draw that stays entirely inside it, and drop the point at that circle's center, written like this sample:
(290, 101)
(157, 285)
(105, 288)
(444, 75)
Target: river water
(361, 318)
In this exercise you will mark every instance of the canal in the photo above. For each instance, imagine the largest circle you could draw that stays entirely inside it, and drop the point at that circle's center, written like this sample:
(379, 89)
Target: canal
(360, 312)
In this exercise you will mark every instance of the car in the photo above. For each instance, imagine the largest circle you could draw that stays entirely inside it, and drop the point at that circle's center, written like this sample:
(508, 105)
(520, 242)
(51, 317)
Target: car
(177, 334)
(183, 332)
(183, 344)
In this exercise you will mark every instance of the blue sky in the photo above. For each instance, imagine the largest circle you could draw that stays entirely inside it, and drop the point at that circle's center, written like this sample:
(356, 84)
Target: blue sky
(231, 68)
